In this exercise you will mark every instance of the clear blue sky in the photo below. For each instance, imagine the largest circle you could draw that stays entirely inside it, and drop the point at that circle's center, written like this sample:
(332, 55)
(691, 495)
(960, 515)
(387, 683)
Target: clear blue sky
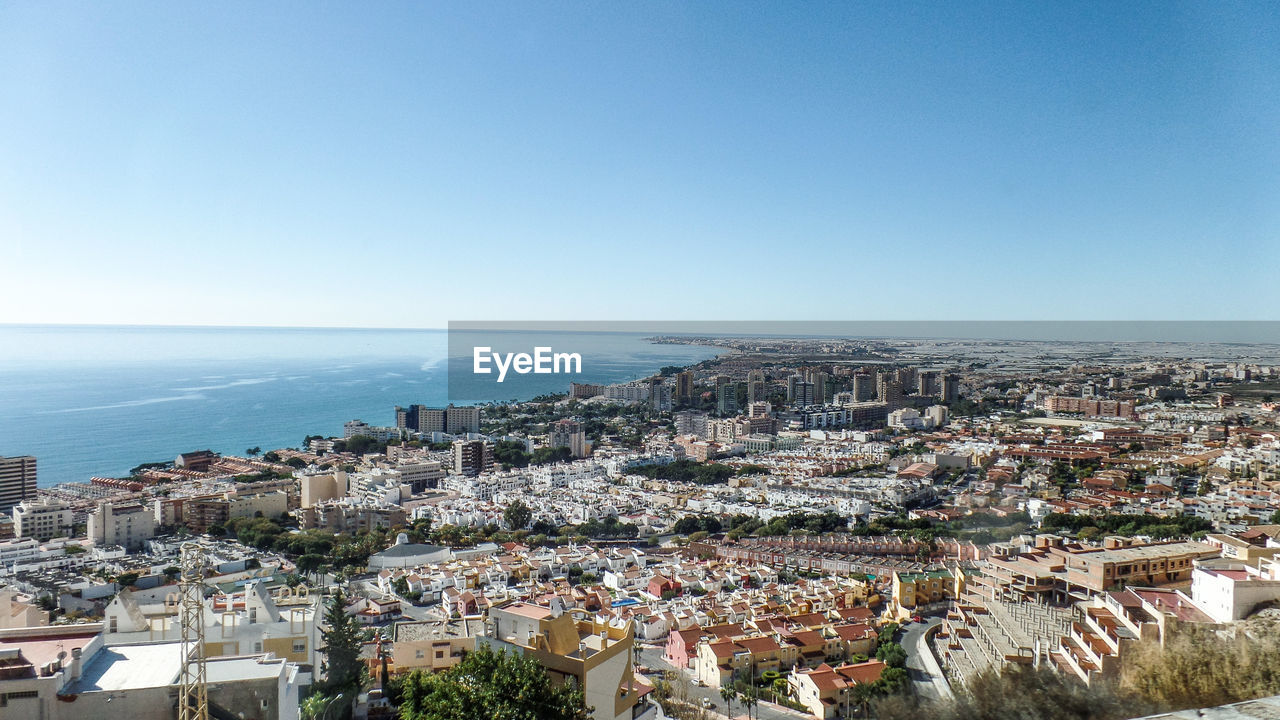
(403, 164)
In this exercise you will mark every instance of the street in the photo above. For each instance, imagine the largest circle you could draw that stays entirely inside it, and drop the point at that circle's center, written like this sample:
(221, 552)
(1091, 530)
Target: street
(651, 657)
(922, 680)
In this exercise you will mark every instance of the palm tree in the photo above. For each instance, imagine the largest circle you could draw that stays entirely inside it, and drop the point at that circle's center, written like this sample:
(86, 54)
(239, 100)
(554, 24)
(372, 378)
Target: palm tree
(749, 700)
(861, 695)
(728, 694)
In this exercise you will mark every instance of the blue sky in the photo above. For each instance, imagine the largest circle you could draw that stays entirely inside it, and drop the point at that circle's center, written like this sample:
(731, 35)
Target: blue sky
(404, 164)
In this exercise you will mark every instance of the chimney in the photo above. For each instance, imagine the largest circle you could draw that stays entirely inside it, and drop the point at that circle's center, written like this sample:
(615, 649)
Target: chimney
(75, 664)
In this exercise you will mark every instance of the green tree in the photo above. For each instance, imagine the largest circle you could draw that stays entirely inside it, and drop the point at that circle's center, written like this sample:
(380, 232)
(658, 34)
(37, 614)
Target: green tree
(340, 640)
(892, 654)
(728, 694)
(488, 684)
(749, 699)
(517, 515)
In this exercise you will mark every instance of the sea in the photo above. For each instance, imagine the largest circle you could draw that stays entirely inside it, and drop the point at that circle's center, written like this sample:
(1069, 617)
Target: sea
(98, 400)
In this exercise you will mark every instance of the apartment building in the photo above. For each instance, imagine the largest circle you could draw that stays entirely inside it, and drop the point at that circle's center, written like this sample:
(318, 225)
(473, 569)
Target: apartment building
(1230, 590)
(342, 516)
(569, 434)
(249, 620)
(315, 489)
(201, 512)
(571, 646)
(1054, 571)
(420, 476)
(128, 526)
(915, 591)
(41, 519)
(17, 481)
(450, 420)
(432, 645)
(68, 673)
(472, 457)
(827, 692)
(1090, 407)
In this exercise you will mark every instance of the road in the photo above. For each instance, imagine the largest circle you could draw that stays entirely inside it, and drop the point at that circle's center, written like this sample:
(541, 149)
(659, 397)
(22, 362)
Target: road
(651, 657)
(928, 685)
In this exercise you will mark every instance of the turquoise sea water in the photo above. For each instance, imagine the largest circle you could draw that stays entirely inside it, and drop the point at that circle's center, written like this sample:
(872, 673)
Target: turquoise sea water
(99, 400)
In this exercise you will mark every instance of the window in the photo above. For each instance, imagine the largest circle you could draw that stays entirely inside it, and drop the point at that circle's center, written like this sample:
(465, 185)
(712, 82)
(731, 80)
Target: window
(439, 654)
(114, 624)
(419, 654)
(299, 646)
(257, 646)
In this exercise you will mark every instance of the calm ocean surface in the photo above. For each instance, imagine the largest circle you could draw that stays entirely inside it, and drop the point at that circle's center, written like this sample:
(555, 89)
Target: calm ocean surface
(99, 400)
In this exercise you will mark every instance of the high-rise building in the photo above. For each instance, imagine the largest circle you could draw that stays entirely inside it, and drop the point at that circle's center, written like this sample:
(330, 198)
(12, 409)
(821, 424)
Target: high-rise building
(820, 380)
(684, 386)
(691, 422)
(864, 387)
(451, 420)
(568, 433)
(950, 388)
(727, 398)
(582, 391)
(755, 385)
(17, 481)
(906, 377)
(458, 420)
(927, 383)
(472, 457)
(890, 391)
(409, 418)
(659, 395)
(799, 391)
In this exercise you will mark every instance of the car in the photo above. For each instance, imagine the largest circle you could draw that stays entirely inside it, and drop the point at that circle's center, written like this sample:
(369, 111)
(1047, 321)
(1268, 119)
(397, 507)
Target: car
(917, 618)
(706, 703)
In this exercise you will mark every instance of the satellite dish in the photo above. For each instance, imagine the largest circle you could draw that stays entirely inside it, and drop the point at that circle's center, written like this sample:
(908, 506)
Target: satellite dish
(62, 654)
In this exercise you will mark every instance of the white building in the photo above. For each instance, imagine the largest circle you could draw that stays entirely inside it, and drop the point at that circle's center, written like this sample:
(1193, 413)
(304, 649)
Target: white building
(1229, 590)
(42, 520)
(128, 526)
(76, 677)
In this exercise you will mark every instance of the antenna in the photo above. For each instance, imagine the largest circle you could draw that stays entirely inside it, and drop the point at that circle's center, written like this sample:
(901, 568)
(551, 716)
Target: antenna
(193, 697)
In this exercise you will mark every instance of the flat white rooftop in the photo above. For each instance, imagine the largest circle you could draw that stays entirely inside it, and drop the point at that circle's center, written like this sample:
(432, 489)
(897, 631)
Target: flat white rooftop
(130, 667)
(242, 668)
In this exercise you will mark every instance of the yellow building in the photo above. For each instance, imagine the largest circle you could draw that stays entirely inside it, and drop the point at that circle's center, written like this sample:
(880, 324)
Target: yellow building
(597, 657)
(920, 590)
(432, 645)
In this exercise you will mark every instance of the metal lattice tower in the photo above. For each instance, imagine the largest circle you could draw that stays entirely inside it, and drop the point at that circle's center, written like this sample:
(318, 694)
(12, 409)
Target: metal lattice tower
(193, 697)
